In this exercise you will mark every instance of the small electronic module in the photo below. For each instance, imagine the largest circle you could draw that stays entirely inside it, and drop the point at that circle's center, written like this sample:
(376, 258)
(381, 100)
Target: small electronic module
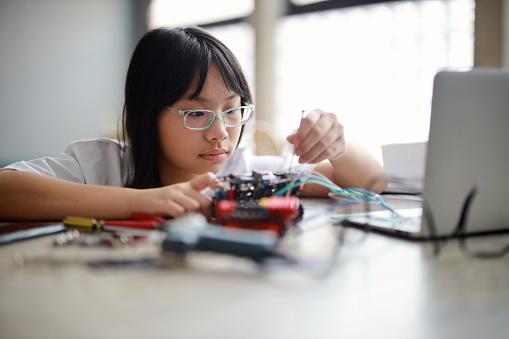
(248, 201)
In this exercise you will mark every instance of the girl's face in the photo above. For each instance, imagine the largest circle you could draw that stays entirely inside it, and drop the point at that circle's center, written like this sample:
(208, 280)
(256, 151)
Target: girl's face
(185, 153)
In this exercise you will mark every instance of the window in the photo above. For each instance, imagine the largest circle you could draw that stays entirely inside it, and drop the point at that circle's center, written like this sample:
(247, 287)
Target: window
(373, 65)
(196, 12)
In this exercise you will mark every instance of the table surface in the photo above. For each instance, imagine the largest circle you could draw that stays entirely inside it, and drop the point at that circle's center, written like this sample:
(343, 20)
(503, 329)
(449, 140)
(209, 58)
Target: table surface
(373, 286)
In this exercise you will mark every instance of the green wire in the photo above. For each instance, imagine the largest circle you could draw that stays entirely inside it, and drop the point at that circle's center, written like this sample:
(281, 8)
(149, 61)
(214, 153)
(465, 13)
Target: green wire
(356, 195)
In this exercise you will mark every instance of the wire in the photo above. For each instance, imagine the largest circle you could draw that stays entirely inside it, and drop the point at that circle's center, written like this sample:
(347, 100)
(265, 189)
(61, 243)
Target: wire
(460, 232)
(461, 229)
(427, 213)
(346, 196)
(352, 196)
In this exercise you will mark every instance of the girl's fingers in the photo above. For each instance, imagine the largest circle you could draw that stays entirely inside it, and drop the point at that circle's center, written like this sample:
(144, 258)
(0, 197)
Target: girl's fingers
(329, 152)
(324, 140)
(189, 197)
(204, 181)
(174, 209)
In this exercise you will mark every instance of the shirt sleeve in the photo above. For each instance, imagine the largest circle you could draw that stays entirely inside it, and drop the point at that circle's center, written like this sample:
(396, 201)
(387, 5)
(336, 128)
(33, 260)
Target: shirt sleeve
(96, 162)
(63, 166)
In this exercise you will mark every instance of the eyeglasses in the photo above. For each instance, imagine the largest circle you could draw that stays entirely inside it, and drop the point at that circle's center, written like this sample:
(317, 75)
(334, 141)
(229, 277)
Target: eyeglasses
(199, 119)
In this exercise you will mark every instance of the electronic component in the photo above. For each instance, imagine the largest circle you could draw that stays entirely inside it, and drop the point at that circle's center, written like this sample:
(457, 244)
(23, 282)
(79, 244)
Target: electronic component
(268, 213)
(254, 186)
(248, 202)
(247, 221)
(193, 233)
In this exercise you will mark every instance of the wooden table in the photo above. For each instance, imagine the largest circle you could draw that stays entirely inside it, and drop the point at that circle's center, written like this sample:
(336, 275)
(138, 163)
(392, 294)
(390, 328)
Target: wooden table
(372, 287)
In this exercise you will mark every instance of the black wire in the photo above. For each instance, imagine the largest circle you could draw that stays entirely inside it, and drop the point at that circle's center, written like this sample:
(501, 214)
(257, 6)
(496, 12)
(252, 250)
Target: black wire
(439, 241)
(483, 254)
(461, 229)
(427, 213)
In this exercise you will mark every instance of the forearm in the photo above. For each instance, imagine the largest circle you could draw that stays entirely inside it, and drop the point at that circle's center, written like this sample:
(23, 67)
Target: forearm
(30, 196)
(358, 168)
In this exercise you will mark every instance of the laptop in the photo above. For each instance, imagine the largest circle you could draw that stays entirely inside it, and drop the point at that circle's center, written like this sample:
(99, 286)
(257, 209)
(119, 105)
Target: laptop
(468, 148)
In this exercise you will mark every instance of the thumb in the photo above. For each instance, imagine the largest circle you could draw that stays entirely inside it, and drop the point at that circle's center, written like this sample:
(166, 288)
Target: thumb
(291, 137)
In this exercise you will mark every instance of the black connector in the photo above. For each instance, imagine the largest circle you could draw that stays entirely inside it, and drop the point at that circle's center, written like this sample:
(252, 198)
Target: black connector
(196, 234)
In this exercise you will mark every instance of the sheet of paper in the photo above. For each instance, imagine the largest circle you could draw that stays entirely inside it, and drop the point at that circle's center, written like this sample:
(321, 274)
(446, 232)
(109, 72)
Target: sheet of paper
(405, 165)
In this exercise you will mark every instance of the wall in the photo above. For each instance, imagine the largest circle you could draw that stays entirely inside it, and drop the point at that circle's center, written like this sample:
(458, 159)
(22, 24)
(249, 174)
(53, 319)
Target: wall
(505, 34)
(62, 70)
(492, 33)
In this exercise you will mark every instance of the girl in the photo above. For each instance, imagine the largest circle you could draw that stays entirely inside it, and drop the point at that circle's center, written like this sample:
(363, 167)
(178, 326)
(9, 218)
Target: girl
(186, 103)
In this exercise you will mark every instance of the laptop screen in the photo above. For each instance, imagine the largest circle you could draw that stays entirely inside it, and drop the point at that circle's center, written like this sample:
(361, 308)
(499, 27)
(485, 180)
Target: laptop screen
(469, 144)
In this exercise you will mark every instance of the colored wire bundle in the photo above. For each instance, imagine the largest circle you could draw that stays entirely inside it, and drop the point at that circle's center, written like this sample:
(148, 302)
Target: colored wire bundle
(345, 196)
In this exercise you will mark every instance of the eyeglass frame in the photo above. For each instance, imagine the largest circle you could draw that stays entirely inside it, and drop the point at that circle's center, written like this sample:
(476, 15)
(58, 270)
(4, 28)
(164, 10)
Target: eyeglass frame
(185, 113)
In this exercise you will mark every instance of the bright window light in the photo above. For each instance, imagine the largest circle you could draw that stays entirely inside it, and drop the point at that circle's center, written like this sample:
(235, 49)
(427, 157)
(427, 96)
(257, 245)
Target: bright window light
(174, 13)
(373, 65)
(306, 2)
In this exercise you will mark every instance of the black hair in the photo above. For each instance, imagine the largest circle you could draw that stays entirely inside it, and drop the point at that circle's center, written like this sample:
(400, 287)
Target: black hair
(164, 66)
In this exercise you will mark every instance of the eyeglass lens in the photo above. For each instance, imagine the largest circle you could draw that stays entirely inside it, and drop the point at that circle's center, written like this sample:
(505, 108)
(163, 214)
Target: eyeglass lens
(204, 119)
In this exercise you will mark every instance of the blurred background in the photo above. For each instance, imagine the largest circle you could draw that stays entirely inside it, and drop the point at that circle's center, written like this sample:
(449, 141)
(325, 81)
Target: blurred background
(63, 63)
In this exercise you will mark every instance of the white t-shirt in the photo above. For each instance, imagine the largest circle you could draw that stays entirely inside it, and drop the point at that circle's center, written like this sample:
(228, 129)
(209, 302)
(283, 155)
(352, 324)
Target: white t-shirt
(104, 161)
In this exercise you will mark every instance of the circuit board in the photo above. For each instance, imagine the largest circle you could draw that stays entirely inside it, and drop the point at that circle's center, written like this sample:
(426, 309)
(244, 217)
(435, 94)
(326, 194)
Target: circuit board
(249, 201)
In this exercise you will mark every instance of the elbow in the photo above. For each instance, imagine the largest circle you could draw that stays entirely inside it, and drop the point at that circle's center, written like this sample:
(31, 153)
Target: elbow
(378, 182)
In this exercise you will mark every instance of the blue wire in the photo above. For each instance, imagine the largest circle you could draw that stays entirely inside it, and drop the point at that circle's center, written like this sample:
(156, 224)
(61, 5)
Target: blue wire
(354, 195)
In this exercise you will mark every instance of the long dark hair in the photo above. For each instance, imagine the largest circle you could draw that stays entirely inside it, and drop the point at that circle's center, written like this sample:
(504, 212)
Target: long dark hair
(163, 67)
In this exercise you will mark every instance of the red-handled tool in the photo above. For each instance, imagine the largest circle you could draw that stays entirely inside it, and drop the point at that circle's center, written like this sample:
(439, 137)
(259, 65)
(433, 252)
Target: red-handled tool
(138, 220)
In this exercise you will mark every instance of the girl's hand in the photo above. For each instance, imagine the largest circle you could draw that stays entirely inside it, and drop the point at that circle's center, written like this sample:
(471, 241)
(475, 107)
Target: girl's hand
(178, 199)
(319, 137)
